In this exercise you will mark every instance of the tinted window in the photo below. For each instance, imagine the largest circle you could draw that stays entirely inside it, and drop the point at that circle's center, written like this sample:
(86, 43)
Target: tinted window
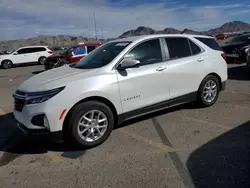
(147, 52)
(81, 50)
(178, 47)
(194, 48)
(23, 51)
(210, 42)
(240, 39)
(67, 50)
(90, 48)
(101, 56)
(31, 50)
(40, 49)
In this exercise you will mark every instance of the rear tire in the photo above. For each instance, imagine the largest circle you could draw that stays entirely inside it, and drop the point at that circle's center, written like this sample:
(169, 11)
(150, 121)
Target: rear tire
(209, 91)
(85, 131)
(41, 60)
(6, 64)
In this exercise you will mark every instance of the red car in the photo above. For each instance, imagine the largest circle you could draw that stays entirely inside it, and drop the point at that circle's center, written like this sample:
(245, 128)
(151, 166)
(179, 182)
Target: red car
(222, 37)
(70, 55)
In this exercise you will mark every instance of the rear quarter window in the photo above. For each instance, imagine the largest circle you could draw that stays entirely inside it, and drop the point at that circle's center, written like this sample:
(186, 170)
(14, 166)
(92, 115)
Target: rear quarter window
(210, 42)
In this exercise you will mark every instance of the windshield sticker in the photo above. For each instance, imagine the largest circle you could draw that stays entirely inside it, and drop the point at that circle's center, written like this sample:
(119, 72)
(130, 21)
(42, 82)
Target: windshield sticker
(122, 44)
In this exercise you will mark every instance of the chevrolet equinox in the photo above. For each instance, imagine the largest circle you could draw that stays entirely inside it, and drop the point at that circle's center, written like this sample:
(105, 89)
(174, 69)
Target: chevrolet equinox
(118, 81)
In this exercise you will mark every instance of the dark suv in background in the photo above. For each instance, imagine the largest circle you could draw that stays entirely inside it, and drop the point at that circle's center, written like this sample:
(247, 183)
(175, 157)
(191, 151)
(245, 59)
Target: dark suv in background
(235, 48)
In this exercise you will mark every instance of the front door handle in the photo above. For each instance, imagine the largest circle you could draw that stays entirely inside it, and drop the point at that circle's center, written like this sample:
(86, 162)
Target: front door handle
(200, 59)
(161, 69)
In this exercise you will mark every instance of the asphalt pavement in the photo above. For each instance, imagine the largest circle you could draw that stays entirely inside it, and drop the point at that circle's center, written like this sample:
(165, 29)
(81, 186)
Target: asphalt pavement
(180, 147)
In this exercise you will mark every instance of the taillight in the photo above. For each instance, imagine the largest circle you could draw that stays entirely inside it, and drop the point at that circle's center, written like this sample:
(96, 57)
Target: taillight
(50, 52)
(224, 56)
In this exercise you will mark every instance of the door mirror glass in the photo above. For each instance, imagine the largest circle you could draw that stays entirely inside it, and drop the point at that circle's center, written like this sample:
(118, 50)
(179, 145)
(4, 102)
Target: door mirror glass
(128, 63)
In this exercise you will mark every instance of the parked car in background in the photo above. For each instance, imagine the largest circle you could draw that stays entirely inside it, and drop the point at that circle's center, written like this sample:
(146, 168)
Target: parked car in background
(221, 36)
(235, 48)
(70, 55)
(120, 80)
(28, 54)
(247, 50)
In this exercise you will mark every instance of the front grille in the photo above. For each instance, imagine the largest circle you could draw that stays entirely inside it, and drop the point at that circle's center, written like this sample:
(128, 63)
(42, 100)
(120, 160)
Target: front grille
(20, 92)
(19, 100)
(19, 104)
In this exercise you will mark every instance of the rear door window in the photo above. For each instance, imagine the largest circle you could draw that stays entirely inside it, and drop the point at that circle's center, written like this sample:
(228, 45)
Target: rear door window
(32, 50)
(40, 49)
(210, 42)
(194, 48)
(178, 47)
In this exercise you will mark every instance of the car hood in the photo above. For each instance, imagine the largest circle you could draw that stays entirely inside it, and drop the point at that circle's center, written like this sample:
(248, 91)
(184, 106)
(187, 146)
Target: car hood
(54, 78)
(4, 56)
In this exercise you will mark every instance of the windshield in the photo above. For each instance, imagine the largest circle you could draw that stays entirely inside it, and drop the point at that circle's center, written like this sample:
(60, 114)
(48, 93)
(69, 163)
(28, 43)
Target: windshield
(66, 52)
(101, 56)
(240, 39)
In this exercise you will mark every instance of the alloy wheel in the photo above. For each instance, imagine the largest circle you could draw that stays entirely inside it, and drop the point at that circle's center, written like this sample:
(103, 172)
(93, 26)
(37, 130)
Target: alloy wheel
(210, 91)
(7, 64)
(92, 125)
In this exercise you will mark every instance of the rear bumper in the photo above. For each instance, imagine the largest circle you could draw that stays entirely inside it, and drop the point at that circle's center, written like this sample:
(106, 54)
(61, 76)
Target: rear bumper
(52, 136)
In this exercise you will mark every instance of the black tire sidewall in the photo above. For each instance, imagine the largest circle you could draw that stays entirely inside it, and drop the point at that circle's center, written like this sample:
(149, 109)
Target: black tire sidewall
(39, 60)
(78, 112)
(4, 62)
(202, 101)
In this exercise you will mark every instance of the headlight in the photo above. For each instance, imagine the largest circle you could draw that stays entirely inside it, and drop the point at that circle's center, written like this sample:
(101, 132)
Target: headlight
(39, 97)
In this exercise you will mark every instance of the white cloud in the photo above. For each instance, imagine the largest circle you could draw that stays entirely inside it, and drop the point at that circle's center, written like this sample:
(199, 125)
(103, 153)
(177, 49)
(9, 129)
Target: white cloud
(26, 18)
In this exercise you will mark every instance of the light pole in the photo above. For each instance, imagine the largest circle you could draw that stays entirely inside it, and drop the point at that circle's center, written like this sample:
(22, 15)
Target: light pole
(95, 27)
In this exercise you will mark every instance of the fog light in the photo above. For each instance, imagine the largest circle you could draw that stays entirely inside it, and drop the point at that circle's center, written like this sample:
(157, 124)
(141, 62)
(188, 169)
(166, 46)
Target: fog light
(46, 122)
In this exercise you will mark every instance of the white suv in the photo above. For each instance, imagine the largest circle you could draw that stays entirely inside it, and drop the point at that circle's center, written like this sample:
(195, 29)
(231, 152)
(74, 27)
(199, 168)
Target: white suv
(120, 80)
(28, 54)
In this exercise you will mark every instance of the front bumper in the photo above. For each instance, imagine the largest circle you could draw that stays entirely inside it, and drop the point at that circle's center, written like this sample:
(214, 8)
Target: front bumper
(53, 136)
(41, 116)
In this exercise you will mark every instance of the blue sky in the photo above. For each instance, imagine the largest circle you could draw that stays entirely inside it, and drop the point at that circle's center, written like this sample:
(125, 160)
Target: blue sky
(28, 18)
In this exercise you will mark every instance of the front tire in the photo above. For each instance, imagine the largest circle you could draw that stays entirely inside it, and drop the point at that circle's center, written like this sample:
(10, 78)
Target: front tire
(209, 91)
(6, 64)
(91, 123)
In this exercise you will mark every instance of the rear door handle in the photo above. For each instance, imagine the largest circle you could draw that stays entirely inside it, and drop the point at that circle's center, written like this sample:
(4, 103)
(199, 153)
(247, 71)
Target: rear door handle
(200, 59)
(161, 69)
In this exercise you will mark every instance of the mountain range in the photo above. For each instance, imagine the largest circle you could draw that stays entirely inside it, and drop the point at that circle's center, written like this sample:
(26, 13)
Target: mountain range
(234, 26)
(64, 40)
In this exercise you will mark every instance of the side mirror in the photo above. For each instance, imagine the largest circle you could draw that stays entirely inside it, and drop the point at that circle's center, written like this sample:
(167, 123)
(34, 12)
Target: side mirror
(15, 53)
(71, 54)
(128, 63)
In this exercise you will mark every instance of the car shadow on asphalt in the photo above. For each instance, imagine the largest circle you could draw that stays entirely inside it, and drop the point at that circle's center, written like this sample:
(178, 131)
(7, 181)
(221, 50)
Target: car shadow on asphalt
(23, 65)
(38, 72)
(223, 161)
(239, 73)
(14, 142)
